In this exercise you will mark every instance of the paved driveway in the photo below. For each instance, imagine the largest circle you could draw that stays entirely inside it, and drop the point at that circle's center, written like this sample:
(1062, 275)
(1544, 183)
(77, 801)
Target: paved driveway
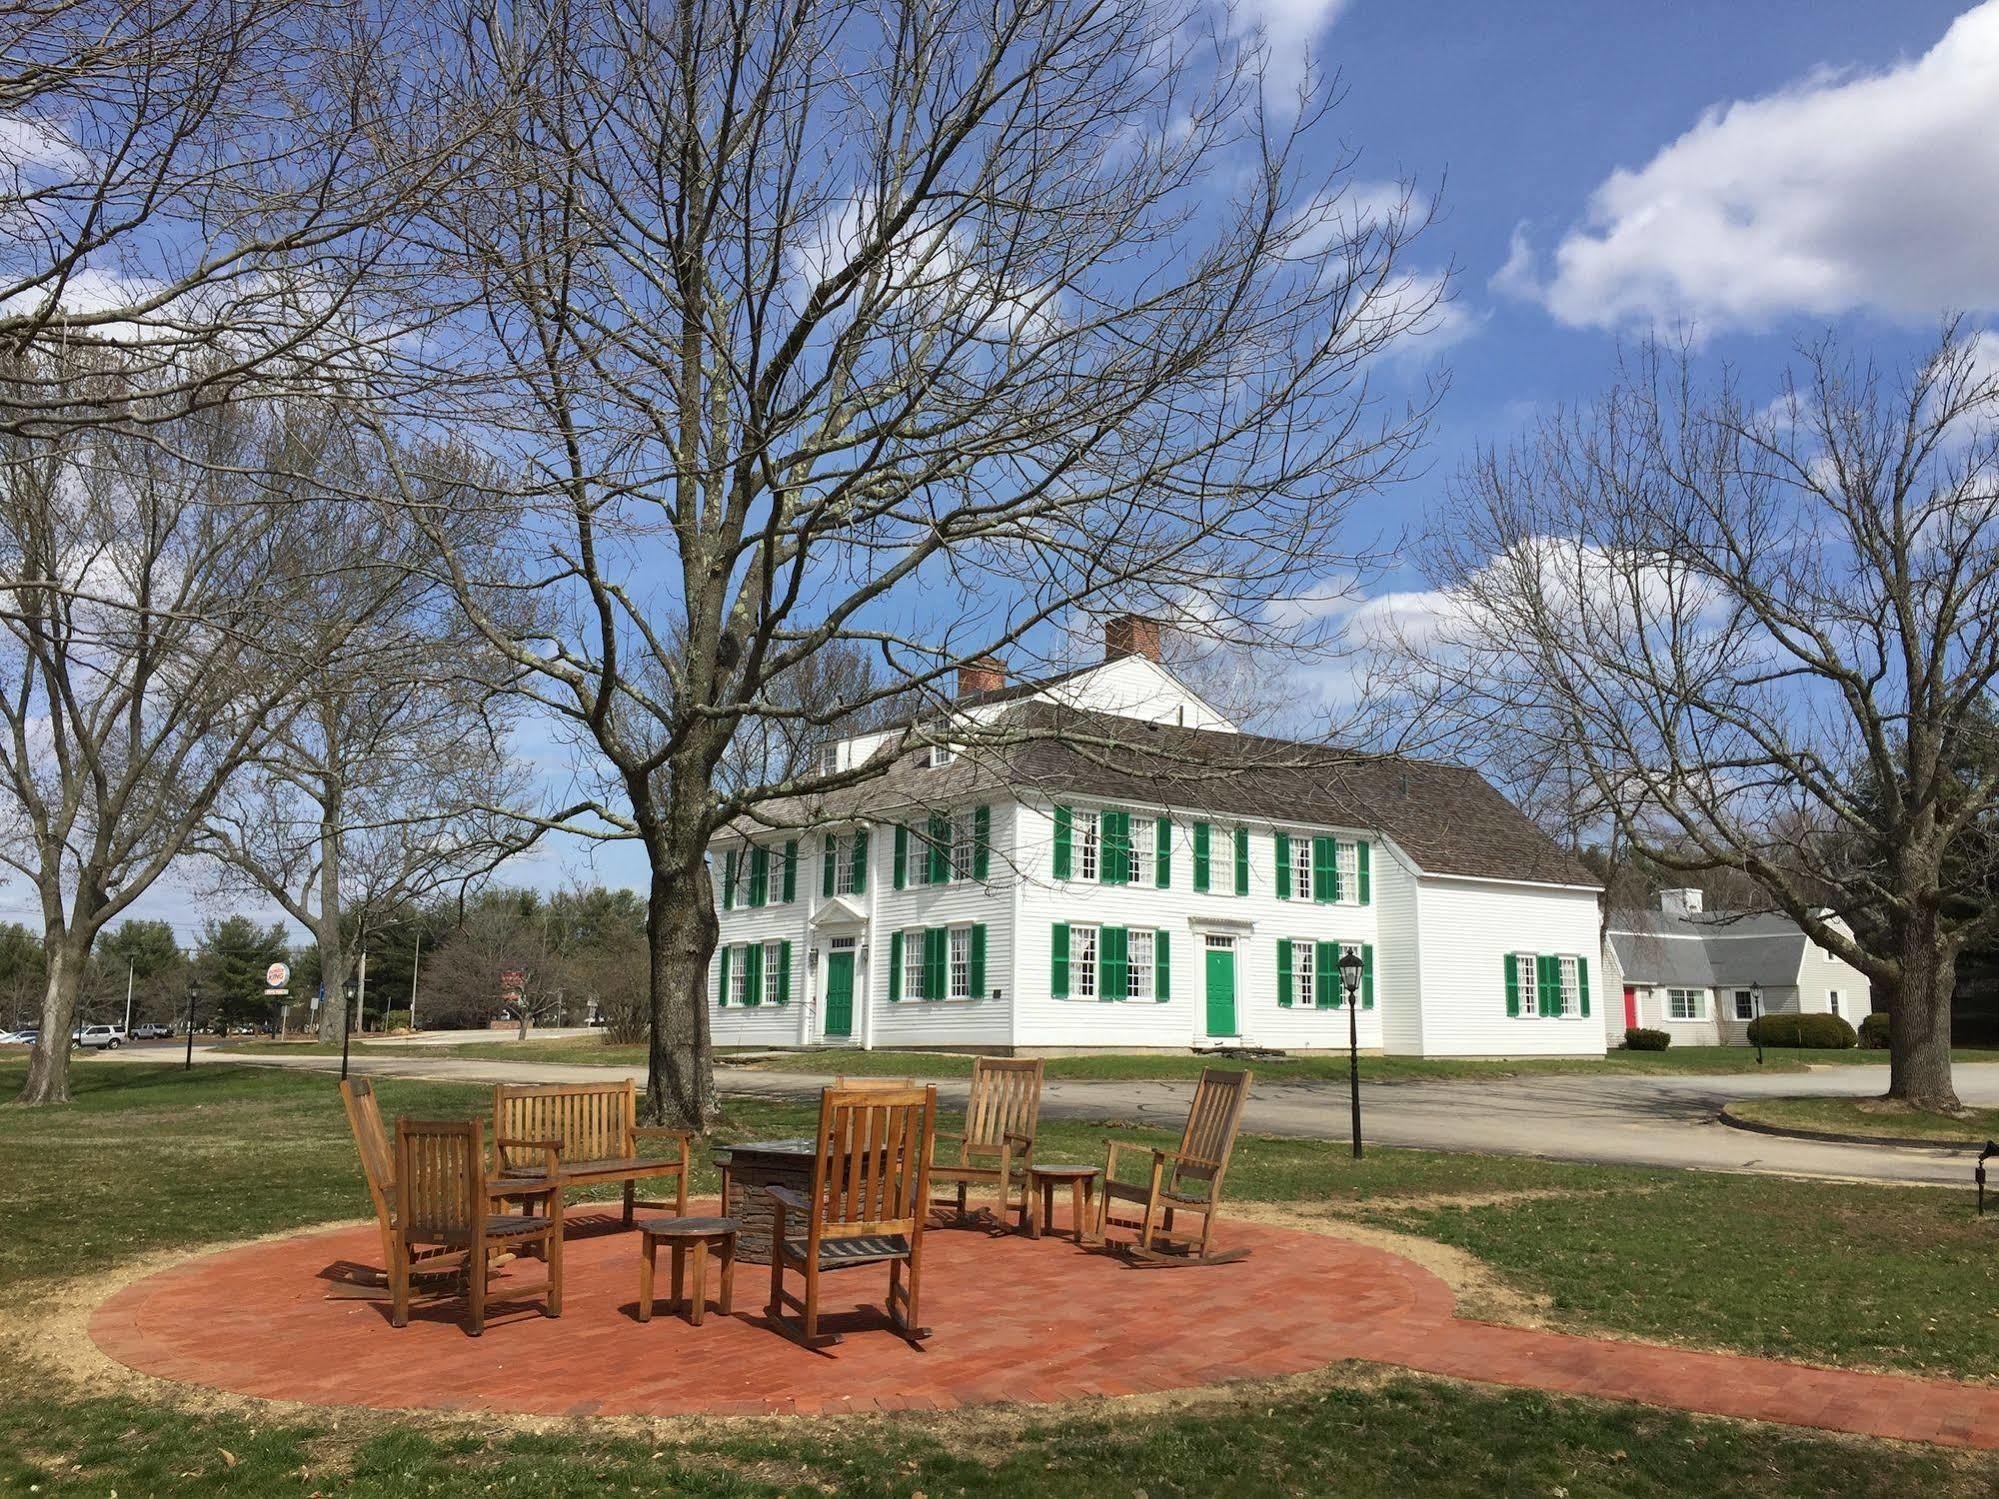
(1636, 1121)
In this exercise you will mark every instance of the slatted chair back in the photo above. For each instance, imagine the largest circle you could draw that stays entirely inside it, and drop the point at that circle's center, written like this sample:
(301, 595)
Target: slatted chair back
(1209, 1139)
(440, 1179)
(871, 1173)
(1006, 1100)
(589, 1121)
(378, 1165)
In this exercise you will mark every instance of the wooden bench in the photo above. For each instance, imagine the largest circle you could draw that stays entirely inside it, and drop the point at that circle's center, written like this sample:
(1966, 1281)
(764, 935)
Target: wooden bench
(597, 1137)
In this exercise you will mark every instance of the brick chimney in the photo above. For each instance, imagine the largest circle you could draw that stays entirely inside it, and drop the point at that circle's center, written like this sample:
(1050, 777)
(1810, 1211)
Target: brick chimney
(1131, 635)
(987, 674)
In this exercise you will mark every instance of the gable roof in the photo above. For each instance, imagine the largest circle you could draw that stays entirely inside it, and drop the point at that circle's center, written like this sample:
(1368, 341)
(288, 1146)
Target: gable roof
(1447, 818)
(1707, 949)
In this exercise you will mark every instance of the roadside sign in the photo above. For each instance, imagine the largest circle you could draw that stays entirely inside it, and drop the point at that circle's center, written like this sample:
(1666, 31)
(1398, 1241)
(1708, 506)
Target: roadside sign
(277, 976)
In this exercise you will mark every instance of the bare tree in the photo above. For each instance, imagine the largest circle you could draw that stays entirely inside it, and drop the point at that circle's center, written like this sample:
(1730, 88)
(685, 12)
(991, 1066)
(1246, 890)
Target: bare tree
(905, 326)
(1766, 635)
(159, 604)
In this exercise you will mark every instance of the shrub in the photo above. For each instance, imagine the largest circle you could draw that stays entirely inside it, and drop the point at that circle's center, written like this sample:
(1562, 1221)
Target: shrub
(1810, 1032)
(396, 1020)
(1874, 1031)
(1639, 1038)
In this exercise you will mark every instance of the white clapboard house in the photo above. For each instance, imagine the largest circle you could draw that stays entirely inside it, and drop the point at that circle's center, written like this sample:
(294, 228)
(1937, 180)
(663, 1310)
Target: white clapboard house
(1701, 976)
(1130, 871)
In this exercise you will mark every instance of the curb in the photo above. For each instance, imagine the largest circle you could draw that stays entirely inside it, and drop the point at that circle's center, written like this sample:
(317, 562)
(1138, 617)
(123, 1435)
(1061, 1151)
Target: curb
(1893, 1142)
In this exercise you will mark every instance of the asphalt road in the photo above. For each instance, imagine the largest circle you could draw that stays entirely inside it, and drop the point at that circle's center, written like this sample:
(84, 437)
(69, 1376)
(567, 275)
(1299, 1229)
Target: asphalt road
(1615, 1120)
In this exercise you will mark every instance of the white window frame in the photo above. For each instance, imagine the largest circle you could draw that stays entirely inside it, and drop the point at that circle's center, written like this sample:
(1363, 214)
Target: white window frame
(1832, 1002)
(962, 849)
(1745, 1004)
(1089, 843)
(1084, 948)
(1138, 956)
(912, 963)
(1570, 991)
(1527, 980)
(1346, 863)
(1143, 863)
(958, 964)
(941, 755)
(1301, 867)
(773, 977)
(1697, 1003)
(738, 956)
(843, 864)
(1304, 973)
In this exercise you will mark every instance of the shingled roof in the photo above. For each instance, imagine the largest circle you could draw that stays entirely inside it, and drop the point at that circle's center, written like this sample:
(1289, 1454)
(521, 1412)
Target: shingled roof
(1447, 818)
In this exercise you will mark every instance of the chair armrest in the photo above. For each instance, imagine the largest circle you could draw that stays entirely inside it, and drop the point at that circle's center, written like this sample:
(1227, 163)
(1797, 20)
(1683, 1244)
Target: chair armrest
(551, 1154)
(661, 1132)
(788, 1197)
(1020, 1142)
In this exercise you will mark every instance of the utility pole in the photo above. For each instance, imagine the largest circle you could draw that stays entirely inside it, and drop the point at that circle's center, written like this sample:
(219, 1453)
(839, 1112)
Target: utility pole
(128, 999)
(416, 961)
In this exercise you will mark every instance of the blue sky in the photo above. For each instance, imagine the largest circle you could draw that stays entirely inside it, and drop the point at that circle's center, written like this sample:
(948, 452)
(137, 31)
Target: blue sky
(1754, 172)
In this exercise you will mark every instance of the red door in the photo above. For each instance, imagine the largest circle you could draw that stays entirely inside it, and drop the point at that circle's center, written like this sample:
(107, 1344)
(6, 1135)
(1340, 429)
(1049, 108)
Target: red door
(1630, 1007)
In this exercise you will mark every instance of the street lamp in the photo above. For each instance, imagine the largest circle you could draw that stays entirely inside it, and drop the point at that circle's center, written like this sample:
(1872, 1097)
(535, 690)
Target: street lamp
(1350, 970)
(193, 993)
(1756, 1009)
(347, 992)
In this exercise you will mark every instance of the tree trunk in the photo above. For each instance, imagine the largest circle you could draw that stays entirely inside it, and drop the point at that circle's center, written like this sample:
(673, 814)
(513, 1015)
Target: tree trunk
(48, 1063)
(1919, 1021)
(681, 930)
(333, 979)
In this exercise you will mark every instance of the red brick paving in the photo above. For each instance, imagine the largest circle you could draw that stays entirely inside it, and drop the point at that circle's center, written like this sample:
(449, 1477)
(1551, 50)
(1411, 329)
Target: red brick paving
(1015, 1320)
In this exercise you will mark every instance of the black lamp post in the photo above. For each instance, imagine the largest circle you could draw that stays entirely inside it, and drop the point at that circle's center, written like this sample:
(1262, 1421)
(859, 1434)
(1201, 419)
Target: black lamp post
(346, 1022)
(1978, 1175)
(193, 993)
(1350, 968)
(1756, 1006)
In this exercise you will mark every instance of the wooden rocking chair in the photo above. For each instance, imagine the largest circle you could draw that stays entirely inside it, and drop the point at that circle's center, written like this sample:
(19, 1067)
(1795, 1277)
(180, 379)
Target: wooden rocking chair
(997, 1146)
(445, 1216)
(870, 1185)
(1182, 1181)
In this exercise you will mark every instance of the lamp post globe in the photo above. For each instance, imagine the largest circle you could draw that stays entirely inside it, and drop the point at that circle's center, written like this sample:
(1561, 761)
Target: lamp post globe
(1350, 976)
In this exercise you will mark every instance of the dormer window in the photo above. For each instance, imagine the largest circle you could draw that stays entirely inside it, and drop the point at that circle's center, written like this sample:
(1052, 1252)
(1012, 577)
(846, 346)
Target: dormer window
(941, 754)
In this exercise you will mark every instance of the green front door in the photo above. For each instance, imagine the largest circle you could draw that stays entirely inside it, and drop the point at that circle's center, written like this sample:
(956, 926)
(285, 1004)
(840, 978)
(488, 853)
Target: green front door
(840, 993)
(1221, 990)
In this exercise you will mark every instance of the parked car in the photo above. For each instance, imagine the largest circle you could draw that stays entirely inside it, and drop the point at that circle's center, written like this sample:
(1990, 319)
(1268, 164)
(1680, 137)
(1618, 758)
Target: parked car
(152, 1031)
(100, 1037)
(19, 1038)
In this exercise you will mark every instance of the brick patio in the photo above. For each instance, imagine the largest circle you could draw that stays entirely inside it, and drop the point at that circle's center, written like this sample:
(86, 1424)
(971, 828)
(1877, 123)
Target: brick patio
(1015, 1320)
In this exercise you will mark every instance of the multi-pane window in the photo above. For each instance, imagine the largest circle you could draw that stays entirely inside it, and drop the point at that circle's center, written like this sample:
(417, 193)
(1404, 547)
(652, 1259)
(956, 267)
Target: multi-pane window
(1304, 973)
(1569, 997)
(774, 974)
(1301, 868)
(1087, 828)
(1684, 1004)
(1347, 861)
(1083, 962)
(737, 978)
(941, 755)
(1832, 1000)
(1527, 975)
(912, 966)
(842, 853)
(961, 845)
(1745, 1004)
(1138, 963)
(1144, 832)
(960, 973)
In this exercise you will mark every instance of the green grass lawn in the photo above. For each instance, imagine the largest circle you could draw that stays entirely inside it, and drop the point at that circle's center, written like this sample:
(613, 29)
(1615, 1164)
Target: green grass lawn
(151, 1158)
(1869, 1116)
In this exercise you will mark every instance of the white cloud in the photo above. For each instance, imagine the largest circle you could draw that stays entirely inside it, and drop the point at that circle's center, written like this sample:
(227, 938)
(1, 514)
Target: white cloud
(30, 144)
(1287, 29)
(1845, 191)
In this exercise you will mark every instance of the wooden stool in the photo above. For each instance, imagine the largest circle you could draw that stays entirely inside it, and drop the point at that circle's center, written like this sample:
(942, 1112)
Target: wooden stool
(685, 1236)
(1041, 1183)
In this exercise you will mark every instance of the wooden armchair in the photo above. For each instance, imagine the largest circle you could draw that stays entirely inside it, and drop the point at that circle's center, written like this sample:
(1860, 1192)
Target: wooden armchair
(445, 1215)
(997, 1146)
(1185, 1180)
(870, 1187)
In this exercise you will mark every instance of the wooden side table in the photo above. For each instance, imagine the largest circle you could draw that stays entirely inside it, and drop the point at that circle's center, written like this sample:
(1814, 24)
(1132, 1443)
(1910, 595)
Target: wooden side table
(687, 1238)
(1041, 1184)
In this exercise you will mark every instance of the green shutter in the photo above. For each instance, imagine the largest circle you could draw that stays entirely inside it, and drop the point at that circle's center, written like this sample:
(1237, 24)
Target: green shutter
(1058, 961)
(829, 855)
(1547, 984)
(1283, 854)
(729, 880)
(1326, 992)
(1162, 966)
(901, 856)
(1366, 973)
(722, 979)
(1512, 985)
(978, 964)
(1203, 837)
(939, 838)
(936, 960)
(784, 973)
(759, 875)
(1113, 970)
(1242, 861)
(895, 962)
(1325, 870)
(753, 974)
(1114, 848)
(982, 842)
(1162, 853)
(1365, 894)
(860, 880)
(1065, 842)
(790, 870)
(1284, 974)
(1582, 984)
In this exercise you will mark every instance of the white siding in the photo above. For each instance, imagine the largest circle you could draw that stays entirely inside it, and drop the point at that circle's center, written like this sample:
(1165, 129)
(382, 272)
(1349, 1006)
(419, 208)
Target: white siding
(1466, 928)
(942, 1022)
(766, 1025)
(1821, 973)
